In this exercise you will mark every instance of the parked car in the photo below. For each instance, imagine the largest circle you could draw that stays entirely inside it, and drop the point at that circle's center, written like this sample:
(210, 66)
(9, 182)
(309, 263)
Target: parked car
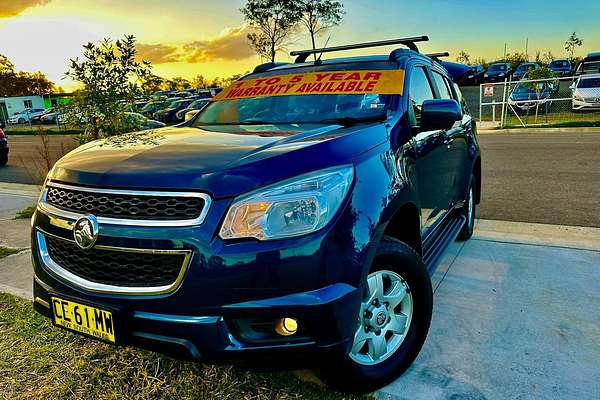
(474, 77)
(167, 114)
(526, 96)
(50, 118)
(497, 72)
(300, 224)
(36, 119)
(25, 115)
(523, 69)
(197, 104)
(586, 93)
(149, 109)
(561, 67)
(589, 65)
(143, 122)
(3, 146)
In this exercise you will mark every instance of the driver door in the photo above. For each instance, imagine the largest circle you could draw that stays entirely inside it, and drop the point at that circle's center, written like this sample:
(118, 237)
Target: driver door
(432, 161)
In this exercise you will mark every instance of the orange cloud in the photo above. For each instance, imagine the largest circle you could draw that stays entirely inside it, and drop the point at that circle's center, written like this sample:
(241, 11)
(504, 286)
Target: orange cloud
(232, 44)
(157, 53)
(11, 8)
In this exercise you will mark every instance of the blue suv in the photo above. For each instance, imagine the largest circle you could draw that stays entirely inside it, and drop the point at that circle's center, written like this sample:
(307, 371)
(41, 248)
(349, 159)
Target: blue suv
(299, 214)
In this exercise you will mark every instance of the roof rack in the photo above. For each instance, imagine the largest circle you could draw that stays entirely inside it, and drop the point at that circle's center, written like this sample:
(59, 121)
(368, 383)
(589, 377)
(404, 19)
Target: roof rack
(302, 55)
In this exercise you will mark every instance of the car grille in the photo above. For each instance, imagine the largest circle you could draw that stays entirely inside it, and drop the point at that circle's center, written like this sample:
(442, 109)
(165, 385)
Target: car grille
(138, 206)
(117, 268)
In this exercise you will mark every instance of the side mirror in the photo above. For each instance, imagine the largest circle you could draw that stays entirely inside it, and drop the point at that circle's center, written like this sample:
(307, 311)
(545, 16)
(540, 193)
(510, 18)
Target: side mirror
(440, 114)
(572, 87)
(190, 114)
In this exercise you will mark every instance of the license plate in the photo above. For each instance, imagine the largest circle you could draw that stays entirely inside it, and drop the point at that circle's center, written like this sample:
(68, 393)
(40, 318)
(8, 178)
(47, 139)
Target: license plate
(85, 319)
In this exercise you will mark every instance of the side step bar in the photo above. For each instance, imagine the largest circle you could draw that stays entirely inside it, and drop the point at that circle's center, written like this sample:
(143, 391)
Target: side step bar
(435, 249)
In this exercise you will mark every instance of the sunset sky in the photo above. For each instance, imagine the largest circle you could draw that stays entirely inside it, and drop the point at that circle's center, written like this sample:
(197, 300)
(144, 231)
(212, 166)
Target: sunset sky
(190, 37)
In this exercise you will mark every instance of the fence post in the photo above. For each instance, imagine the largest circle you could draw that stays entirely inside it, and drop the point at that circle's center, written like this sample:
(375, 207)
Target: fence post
(503, 115)
(480, 102)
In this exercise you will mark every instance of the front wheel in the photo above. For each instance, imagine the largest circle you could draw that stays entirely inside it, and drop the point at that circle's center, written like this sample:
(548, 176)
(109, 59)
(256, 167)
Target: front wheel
(392, 321)
(468, 211)
(21, 120)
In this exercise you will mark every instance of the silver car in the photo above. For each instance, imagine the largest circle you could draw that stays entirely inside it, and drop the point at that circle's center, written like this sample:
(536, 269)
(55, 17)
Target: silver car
(586, 92)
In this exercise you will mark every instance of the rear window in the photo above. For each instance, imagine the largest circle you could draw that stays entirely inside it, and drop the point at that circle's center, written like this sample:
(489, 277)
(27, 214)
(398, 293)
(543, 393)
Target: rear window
(559, 64)
(498, 67)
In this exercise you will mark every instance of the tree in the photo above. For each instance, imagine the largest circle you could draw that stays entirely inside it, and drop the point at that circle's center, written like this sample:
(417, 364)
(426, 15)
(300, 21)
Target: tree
(516, 58)
(536, 74)
(177, 83)
(21, 83)
(320, 15)
(111, 77)
(273, 21)
(200, 82)
(151, 83)
(572, 42)
(463, 57)
(544, 58)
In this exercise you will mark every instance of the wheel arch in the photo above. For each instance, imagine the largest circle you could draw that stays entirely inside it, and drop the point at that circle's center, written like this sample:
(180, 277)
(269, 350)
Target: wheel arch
(405, 225)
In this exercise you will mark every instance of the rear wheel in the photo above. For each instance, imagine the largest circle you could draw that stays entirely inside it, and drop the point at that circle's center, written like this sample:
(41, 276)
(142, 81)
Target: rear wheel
(392, 322)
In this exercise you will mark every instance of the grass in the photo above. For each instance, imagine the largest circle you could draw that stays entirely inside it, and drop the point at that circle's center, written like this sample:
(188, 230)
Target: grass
(25, 213)
(7, 251)
(40, 361)
(566, 124)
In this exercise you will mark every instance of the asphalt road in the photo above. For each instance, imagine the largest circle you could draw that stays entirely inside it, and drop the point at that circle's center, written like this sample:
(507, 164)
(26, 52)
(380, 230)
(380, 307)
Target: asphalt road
(551, 178)
(26, 163)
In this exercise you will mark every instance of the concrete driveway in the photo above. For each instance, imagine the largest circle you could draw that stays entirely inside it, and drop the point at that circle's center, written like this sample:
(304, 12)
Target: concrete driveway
(514, 318)
(515, 314)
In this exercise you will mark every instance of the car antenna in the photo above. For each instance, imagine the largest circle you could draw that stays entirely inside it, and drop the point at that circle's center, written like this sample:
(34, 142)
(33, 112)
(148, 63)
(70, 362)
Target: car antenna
(318, 60)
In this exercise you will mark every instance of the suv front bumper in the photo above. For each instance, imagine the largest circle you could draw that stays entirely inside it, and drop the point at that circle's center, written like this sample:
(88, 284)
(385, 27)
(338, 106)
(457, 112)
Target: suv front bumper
(232, 293)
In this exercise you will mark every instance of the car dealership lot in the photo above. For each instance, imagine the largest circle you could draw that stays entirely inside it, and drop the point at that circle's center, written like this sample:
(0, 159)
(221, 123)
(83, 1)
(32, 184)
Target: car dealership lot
(504, 302)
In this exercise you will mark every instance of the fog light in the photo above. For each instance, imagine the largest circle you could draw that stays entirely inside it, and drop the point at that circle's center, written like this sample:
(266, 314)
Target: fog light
(286, 326)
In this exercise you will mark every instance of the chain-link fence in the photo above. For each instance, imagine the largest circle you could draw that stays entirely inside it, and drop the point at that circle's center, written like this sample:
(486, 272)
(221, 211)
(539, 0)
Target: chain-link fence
(554, 101)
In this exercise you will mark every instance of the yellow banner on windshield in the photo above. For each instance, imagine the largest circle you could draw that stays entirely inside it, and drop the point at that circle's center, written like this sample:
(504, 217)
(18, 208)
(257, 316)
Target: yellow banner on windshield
(327, 82)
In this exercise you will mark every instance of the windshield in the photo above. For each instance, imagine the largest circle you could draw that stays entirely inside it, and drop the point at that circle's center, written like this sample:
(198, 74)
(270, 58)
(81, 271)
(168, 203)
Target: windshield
(498, 67)
(559, 64)
(524, 67)
(295, 109)
(589, 83)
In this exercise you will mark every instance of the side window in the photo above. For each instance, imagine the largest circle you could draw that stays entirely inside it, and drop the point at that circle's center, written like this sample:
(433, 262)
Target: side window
(442, 86)
(418, 91)
(27, 103)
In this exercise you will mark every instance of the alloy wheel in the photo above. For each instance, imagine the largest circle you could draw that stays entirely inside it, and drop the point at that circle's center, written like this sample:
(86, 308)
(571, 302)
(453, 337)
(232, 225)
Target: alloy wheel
(384, 319)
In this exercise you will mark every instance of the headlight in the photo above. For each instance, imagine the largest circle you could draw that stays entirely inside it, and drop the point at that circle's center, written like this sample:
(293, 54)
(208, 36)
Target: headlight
(290, 208)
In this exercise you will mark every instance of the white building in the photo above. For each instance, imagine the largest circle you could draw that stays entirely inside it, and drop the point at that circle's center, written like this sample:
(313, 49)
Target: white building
(13, 105)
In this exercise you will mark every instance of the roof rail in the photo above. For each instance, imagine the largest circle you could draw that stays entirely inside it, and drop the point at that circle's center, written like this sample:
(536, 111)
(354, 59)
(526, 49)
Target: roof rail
(267, 66)
(302, 55)
(438, 55)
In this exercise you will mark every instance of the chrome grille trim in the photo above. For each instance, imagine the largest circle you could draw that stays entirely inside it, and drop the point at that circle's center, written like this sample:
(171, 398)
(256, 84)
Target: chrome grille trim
(51, 210)
(82, 283)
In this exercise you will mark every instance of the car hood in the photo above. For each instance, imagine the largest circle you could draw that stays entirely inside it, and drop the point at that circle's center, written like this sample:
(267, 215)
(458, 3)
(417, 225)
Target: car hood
(224, 160)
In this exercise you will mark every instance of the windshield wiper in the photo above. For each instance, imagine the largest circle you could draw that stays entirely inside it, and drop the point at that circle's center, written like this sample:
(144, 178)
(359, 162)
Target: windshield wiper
(251, 121)
(349, 121)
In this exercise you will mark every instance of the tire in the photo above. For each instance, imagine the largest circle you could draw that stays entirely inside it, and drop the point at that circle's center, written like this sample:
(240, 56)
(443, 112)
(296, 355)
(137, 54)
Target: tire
(21, 120)
(402, 269)
(468, 211)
